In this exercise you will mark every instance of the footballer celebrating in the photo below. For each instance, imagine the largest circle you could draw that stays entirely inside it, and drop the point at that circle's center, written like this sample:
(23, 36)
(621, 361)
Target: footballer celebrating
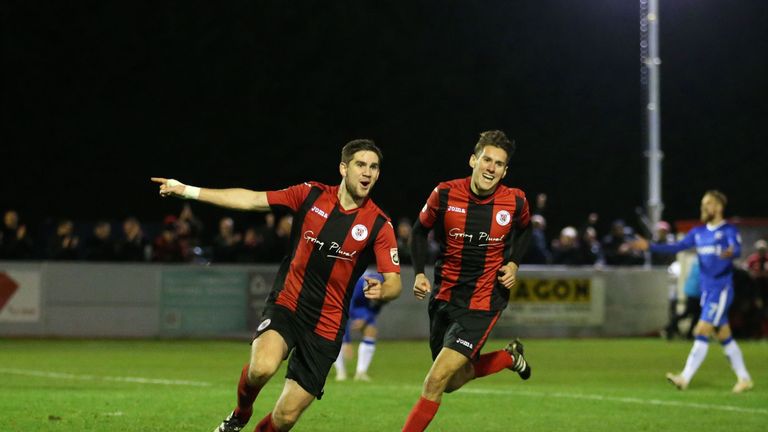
(337, 232)
(483, 230)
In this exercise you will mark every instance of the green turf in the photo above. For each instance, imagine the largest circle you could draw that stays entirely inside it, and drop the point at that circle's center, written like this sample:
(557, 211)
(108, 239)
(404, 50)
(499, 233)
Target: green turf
(577, 385)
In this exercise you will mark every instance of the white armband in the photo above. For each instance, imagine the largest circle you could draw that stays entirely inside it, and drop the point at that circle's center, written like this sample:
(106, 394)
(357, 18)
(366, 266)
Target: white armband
(190, 192)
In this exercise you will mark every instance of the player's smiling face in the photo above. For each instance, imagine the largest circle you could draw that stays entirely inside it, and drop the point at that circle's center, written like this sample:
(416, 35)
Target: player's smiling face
(488, 168)
(360, 174)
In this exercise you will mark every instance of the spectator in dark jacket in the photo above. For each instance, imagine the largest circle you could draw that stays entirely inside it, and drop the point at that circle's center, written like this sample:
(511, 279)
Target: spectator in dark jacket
(15, 243)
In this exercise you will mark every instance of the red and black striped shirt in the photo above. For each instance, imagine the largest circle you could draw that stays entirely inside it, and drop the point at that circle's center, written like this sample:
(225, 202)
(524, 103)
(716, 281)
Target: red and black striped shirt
(330, 249)
(475, 235)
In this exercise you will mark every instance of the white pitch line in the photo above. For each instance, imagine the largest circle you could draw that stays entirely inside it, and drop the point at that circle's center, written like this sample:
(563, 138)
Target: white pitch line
(597, 397)
(632, 400)
(139, 380)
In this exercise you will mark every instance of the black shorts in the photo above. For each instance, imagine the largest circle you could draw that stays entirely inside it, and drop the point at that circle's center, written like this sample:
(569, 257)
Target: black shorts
(459, 329)
(312, 355)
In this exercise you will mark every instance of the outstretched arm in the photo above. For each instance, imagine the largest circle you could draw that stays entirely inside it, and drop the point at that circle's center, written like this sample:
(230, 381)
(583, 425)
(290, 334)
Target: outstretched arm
(687, 242)
(237, 198)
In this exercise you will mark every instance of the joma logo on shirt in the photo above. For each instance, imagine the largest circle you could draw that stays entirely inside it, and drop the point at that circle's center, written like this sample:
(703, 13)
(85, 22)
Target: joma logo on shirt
(467, 344)
(320, 212)
(457, 209)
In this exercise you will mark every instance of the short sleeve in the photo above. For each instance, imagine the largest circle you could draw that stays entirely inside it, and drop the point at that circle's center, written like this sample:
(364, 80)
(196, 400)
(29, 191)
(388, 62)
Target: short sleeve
(385, 249)
(290, 197)
(428, 213)
(525, 214)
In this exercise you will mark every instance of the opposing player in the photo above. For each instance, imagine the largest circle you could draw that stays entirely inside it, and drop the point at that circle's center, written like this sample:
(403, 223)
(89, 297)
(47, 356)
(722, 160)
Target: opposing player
(717, 243)
(337, 232)
(362, 317)
(483, 230)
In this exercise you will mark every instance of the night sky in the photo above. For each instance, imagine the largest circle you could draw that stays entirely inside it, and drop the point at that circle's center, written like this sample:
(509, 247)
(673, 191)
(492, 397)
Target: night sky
(99, 96)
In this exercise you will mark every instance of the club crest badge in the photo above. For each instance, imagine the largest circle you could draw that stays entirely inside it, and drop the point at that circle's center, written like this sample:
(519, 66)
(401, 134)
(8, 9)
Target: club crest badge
(503, 218)
(359, 232)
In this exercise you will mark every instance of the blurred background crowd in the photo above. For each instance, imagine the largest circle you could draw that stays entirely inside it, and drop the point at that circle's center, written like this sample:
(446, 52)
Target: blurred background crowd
(236, 238)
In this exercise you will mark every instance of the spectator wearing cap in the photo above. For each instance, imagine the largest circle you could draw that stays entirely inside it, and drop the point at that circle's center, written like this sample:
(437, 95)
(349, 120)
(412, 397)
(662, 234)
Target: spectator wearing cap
(663, 235)
(565, 249)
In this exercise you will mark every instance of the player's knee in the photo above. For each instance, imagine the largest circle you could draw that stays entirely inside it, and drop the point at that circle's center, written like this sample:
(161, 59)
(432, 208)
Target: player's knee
(436, 382)
(285, 418)
(461, 377)
(259, 371)
(703, 329)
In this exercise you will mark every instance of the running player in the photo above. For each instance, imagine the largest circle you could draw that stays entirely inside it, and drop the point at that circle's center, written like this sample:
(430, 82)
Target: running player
(483, 230)
(362, 317)
(337, 232)
(717, 243)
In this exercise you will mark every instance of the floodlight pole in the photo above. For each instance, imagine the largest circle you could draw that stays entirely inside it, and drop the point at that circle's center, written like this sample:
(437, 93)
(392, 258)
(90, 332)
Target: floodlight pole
(649, 56)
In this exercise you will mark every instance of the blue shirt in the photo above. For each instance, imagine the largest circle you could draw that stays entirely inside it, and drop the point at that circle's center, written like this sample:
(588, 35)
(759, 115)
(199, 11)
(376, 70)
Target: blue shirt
(710, 241)
(691, 288)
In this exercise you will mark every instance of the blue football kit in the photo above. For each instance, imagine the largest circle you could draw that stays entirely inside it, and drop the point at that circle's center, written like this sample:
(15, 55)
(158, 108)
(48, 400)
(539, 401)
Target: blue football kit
(716, 273)
(361, 308)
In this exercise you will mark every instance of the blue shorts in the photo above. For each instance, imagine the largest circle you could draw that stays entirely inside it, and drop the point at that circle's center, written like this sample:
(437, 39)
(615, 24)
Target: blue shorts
(715, 306)
(359, 313)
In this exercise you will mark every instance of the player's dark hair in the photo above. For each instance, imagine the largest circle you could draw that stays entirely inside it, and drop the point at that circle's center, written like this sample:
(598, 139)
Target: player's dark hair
(716, 194)
(354, 146)
(495, 138)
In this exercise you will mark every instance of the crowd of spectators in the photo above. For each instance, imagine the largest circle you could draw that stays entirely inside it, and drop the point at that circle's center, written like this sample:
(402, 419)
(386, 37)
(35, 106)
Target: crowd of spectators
(583, 246)
(178, 238)
(184, 238)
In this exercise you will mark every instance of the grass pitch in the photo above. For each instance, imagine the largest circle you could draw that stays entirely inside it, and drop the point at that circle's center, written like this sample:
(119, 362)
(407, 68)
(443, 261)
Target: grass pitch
(577, 385)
